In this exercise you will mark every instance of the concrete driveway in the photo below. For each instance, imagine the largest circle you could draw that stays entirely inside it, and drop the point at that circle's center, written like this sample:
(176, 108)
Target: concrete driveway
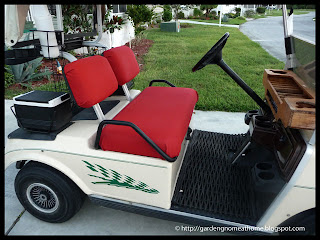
(96, 220)
(269, 33)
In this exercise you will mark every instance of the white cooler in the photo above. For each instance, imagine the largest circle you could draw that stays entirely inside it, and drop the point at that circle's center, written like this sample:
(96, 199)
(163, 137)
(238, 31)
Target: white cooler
(43, 111)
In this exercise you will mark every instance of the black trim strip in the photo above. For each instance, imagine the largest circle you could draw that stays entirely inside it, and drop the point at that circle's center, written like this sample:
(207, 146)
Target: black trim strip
(172, 215)
(76, 35)
(160, 80)
(18, 56)
(288, 45)
(26, 43)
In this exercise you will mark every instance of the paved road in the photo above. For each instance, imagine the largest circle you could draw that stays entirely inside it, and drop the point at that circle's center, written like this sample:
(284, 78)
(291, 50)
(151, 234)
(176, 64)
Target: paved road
(269, 33)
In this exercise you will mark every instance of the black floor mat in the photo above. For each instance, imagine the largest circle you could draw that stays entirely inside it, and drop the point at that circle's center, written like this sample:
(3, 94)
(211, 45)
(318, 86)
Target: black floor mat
(209, 185)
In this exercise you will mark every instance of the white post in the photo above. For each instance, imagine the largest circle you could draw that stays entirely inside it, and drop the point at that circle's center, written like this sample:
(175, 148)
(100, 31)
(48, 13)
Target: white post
(99, 28)
(110, 38)
(59, 17)
(126, 92)
(288, 29)
(97, 109)
(43, 21)
(99, 20)
(68, 56)
(60, 22)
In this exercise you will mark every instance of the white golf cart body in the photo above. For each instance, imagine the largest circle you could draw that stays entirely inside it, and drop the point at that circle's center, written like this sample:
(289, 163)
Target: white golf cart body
(76, 155)
(147, 185)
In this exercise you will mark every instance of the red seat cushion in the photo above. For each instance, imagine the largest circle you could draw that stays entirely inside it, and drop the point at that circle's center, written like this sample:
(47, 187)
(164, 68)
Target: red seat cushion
(91, 80)
(162, 113)
(123, 63)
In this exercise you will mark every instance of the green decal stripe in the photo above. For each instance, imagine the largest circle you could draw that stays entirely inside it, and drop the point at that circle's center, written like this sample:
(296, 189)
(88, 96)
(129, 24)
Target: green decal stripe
(91, 167)
(113, 179)
(83, 155)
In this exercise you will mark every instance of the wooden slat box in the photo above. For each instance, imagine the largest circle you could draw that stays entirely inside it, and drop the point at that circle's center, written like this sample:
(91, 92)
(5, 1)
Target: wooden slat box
(290, 100)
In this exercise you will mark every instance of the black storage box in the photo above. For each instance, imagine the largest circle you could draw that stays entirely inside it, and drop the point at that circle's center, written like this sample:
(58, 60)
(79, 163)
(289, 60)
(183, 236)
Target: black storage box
(43, 111)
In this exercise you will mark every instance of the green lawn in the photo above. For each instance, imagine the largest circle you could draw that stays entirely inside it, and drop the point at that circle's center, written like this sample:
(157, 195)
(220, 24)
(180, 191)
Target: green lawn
(268, 13)
(173, 55)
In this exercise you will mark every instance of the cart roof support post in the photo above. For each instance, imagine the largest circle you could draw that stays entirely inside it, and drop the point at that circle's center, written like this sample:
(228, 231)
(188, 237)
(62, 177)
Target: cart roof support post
(288, 30)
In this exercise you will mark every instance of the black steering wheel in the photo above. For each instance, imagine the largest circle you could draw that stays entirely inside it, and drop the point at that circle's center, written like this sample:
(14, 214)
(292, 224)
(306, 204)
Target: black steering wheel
(214, 55)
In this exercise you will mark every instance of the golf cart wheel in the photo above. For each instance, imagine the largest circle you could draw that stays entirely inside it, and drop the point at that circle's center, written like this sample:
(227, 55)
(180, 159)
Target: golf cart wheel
(47, 193)
(304, 219)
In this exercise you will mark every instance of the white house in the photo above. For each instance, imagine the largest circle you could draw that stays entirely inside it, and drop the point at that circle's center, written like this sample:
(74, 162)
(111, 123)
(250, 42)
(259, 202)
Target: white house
(118, 38)
(227, 8)
(122, 36)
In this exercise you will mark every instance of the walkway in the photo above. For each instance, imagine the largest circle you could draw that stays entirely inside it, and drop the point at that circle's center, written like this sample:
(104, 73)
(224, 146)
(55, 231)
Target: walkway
(205, 23)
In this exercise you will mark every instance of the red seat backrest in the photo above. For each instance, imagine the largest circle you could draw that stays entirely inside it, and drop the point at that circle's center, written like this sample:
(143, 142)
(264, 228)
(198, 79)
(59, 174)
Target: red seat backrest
(123, 63)
(91, 80)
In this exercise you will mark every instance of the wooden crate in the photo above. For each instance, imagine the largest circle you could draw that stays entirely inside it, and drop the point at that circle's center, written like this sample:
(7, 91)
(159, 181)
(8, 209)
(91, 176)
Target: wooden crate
(290, 100)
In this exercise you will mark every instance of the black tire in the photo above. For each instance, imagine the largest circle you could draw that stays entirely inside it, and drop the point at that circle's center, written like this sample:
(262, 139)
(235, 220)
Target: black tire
(304, 219)
(47, 193)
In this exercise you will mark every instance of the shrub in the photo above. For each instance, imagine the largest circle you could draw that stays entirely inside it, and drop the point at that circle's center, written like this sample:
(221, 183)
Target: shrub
(8, 78)
(114, 23)
(210, 16)
(238, 10)
(197, 12)
(180, 15)
(167, 13)
(225, 18)
(139, 14)
(261, 9)
(249, 13)
(139, 30)
(310, 6)
(28, 71)
(76, 19)
(230, 15)
(208, 8)
(167, 16)
(241, 18)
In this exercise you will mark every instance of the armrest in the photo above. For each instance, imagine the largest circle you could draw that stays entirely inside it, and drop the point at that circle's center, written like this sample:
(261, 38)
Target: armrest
(138, 130)
(160, 80)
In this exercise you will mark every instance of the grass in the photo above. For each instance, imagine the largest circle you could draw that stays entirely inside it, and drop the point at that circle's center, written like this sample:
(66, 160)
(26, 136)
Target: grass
(173, 55)
(50, 86)
(269, 13)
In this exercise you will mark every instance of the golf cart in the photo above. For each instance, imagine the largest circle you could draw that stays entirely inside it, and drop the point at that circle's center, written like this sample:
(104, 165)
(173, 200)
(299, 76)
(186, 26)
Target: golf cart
(139, 151)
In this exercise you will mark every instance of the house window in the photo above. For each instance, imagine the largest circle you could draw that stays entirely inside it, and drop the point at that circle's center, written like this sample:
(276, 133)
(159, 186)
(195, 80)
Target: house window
(119, 8)
(52, 9)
